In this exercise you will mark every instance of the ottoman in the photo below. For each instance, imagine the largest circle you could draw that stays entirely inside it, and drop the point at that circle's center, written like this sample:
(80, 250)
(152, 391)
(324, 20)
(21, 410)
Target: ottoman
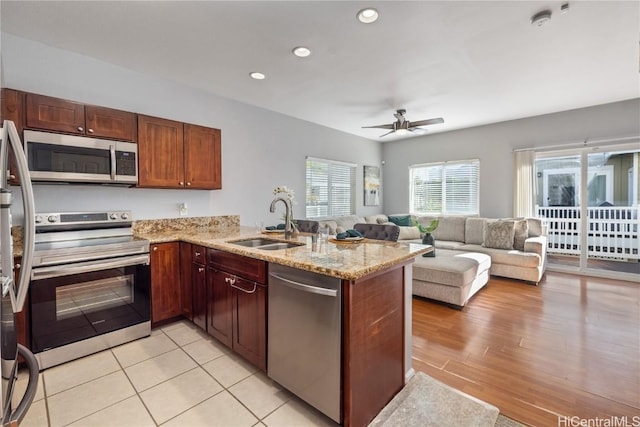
(451, 276)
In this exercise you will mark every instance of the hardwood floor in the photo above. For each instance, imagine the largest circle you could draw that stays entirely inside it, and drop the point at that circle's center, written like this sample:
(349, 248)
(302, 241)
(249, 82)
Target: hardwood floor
(569, 347)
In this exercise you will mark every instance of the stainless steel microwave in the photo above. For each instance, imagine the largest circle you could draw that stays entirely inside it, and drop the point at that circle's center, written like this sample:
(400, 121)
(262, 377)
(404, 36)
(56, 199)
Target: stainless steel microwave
(55, 157)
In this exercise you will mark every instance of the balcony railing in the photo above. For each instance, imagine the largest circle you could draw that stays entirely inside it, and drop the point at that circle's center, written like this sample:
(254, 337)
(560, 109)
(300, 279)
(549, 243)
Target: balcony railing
(613, 231)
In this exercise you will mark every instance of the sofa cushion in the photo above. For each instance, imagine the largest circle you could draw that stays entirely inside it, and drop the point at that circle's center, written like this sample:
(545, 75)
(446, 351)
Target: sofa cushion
(448, 244)
(376, 219)
(328, 223)
(499, 234)
(347, 222)
(401, 220)
(450, 228)
(447, 268)
(520, 234)
(534, 226)
(474, 230)
(506, 257)
(408, 233)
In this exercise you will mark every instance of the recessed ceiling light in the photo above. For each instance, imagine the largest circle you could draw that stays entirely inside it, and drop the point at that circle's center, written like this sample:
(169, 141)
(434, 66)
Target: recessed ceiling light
(301, 51)
(257, 76)
(368, 15)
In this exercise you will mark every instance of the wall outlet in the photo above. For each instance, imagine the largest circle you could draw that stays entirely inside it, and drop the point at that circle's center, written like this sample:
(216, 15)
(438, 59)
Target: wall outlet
(182, 208)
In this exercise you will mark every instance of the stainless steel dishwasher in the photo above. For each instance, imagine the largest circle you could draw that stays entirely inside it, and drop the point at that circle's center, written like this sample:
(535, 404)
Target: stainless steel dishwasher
(304, 336)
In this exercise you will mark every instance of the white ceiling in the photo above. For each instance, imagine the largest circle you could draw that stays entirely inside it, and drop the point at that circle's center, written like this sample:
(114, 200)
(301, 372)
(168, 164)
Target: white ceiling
(472, 63)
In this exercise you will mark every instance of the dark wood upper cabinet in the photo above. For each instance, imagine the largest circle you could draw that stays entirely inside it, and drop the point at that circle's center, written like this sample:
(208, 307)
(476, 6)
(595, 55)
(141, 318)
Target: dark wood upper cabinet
(61, 115)
(202, 157)
(45, 112)
(12, 108)
(178, 155)
(104, 122)
(160, 153)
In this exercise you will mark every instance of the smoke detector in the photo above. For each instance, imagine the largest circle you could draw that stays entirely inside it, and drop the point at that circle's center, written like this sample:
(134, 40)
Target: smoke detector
(541, 18)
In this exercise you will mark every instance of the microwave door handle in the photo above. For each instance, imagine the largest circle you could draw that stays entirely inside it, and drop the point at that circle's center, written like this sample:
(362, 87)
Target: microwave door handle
(112, 153)
(17, 300)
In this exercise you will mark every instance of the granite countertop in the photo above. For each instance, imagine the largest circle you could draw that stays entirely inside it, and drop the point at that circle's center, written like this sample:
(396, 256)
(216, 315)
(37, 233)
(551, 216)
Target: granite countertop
(349, 261)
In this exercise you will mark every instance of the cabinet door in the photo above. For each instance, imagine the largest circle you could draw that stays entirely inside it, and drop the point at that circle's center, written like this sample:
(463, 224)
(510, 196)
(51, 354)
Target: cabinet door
(202, 157)
(199, 281)
(249, 322)
(104, 122)
(219, 307)
(186, 282)
(160, 153)
(12, 108)
(165, 281)
(45, 112)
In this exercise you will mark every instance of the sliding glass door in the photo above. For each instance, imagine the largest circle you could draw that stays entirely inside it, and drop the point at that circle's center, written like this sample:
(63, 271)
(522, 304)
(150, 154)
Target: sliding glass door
(588, 199)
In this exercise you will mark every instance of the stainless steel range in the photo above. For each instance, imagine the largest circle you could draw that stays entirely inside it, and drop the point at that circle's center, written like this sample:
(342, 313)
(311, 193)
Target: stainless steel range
(90, 285)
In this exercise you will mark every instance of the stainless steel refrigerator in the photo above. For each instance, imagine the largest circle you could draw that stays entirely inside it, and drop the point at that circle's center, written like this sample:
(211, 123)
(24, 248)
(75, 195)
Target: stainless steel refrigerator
(14, 290)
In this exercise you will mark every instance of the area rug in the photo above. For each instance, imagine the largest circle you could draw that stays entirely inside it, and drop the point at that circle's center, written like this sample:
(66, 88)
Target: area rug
(425, 402)
(503, 421)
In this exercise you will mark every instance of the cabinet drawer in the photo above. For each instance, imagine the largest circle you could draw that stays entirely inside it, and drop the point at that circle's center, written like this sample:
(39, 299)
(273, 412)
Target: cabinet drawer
(198, 254)
(249, 268)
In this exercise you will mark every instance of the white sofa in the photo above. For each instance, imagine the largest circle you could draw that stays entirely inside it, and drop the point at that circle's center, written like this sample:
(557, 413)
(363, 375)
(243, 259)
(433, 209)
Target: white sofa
(467, 234)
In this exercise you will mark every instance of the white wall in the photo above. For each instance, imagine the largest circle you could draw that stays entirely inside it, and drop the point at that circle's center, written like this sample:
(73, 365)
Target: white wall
(494, 145)
(260, 149)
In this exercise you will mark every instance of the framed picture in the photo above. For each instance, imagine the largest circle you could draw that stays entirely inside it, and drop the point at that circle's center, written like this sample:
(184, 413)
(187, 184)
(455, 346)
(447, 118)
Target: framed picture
(371, 185)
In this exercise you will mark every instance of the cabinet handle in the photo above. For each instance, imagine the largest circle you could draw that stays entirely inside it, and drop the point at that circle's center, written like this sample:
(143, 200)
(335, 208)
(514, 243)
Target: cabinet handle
(80, 129)
(90, 130)
(12, 176)
(155, 248)
(230, 280)
(200, 269)
(181, 183)
(198, 253)
(255, 286)
(188, 183)
(17, 266)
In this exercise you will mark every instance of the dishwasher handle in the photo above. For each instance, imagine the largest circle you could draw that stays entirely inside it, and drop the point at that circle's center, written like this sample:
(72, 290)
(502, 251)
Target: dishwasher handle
(305, 288)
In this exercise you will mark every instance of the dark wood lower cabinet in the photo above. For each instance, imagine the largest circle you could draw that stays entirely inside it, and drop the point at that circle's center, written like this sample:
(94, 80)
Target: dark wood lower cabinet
(249, 321)
(199, 290)
(237, 304)
(165, 281)
(220, 307)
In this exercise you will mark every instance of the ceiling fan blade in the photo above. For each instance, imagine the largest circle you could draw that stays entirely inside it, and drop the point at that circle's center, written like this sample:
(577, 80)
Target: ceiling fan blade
(427, 122)
(385, 134)
(389, 126)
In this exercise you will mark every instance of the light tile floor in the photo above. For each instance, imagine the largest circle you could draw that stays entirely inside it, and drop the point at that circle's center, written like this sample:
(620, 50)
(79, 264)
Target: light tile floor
(179, 376)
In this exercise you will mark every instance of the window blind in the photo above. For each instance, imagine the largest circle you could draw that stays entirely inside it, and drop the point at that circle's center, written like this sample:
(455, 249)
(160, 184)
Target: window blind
(330, 189)
(451, 188)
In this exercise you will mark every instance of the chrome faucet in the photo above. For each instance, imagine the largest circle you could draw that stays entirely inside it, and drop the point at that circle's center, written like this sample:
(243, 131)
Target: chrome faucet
(288, 228)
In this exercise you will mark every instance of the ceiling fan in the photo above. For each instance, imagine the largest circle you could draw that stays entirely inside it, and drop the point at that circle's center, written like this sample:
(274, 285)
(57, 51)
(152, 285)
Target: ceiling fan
(402, 125)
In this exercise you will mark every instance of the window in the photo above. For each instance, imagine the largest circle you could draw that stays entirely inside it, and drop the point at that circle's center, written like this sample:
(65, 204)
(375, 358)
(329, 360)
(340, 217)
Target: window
(450, 188)
(330, 188)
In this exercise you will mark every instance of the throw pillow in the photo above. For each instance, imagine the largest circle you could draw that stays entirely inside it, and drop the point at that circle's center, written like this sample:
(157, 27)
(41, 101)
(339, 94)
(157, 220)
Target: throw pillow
(520, 234)
(499, 234)
(409, 233)
(401, 220)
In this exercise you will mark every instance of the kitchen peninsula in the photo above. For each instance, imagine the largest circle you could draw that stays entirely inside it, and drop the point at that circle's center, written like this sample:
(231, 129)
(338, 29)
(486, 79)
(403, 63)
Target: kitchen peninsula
(375, 282)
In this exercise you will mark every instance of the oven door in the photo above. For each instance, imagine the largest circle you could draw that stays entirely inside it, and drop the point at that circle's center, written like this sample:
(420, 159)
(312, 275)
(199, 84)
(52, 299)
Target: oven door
(73, 302)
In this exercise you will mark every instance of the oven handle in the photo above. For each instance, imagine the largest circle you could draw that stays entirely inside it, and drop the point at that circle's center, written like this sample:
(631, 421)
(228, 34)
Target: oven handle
(40, 273)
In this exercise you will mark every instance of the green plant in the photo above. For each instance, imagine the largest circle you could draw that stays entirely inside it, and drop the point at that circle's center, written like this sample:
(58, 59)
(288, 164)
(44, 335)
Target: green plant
(430, 228)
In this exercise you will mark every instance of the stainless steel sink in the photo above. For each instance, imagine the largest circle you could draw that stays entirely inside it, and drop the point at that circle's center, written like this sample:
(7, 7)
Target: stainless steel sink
(255, 242)
(279, 245)
(266, 244)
